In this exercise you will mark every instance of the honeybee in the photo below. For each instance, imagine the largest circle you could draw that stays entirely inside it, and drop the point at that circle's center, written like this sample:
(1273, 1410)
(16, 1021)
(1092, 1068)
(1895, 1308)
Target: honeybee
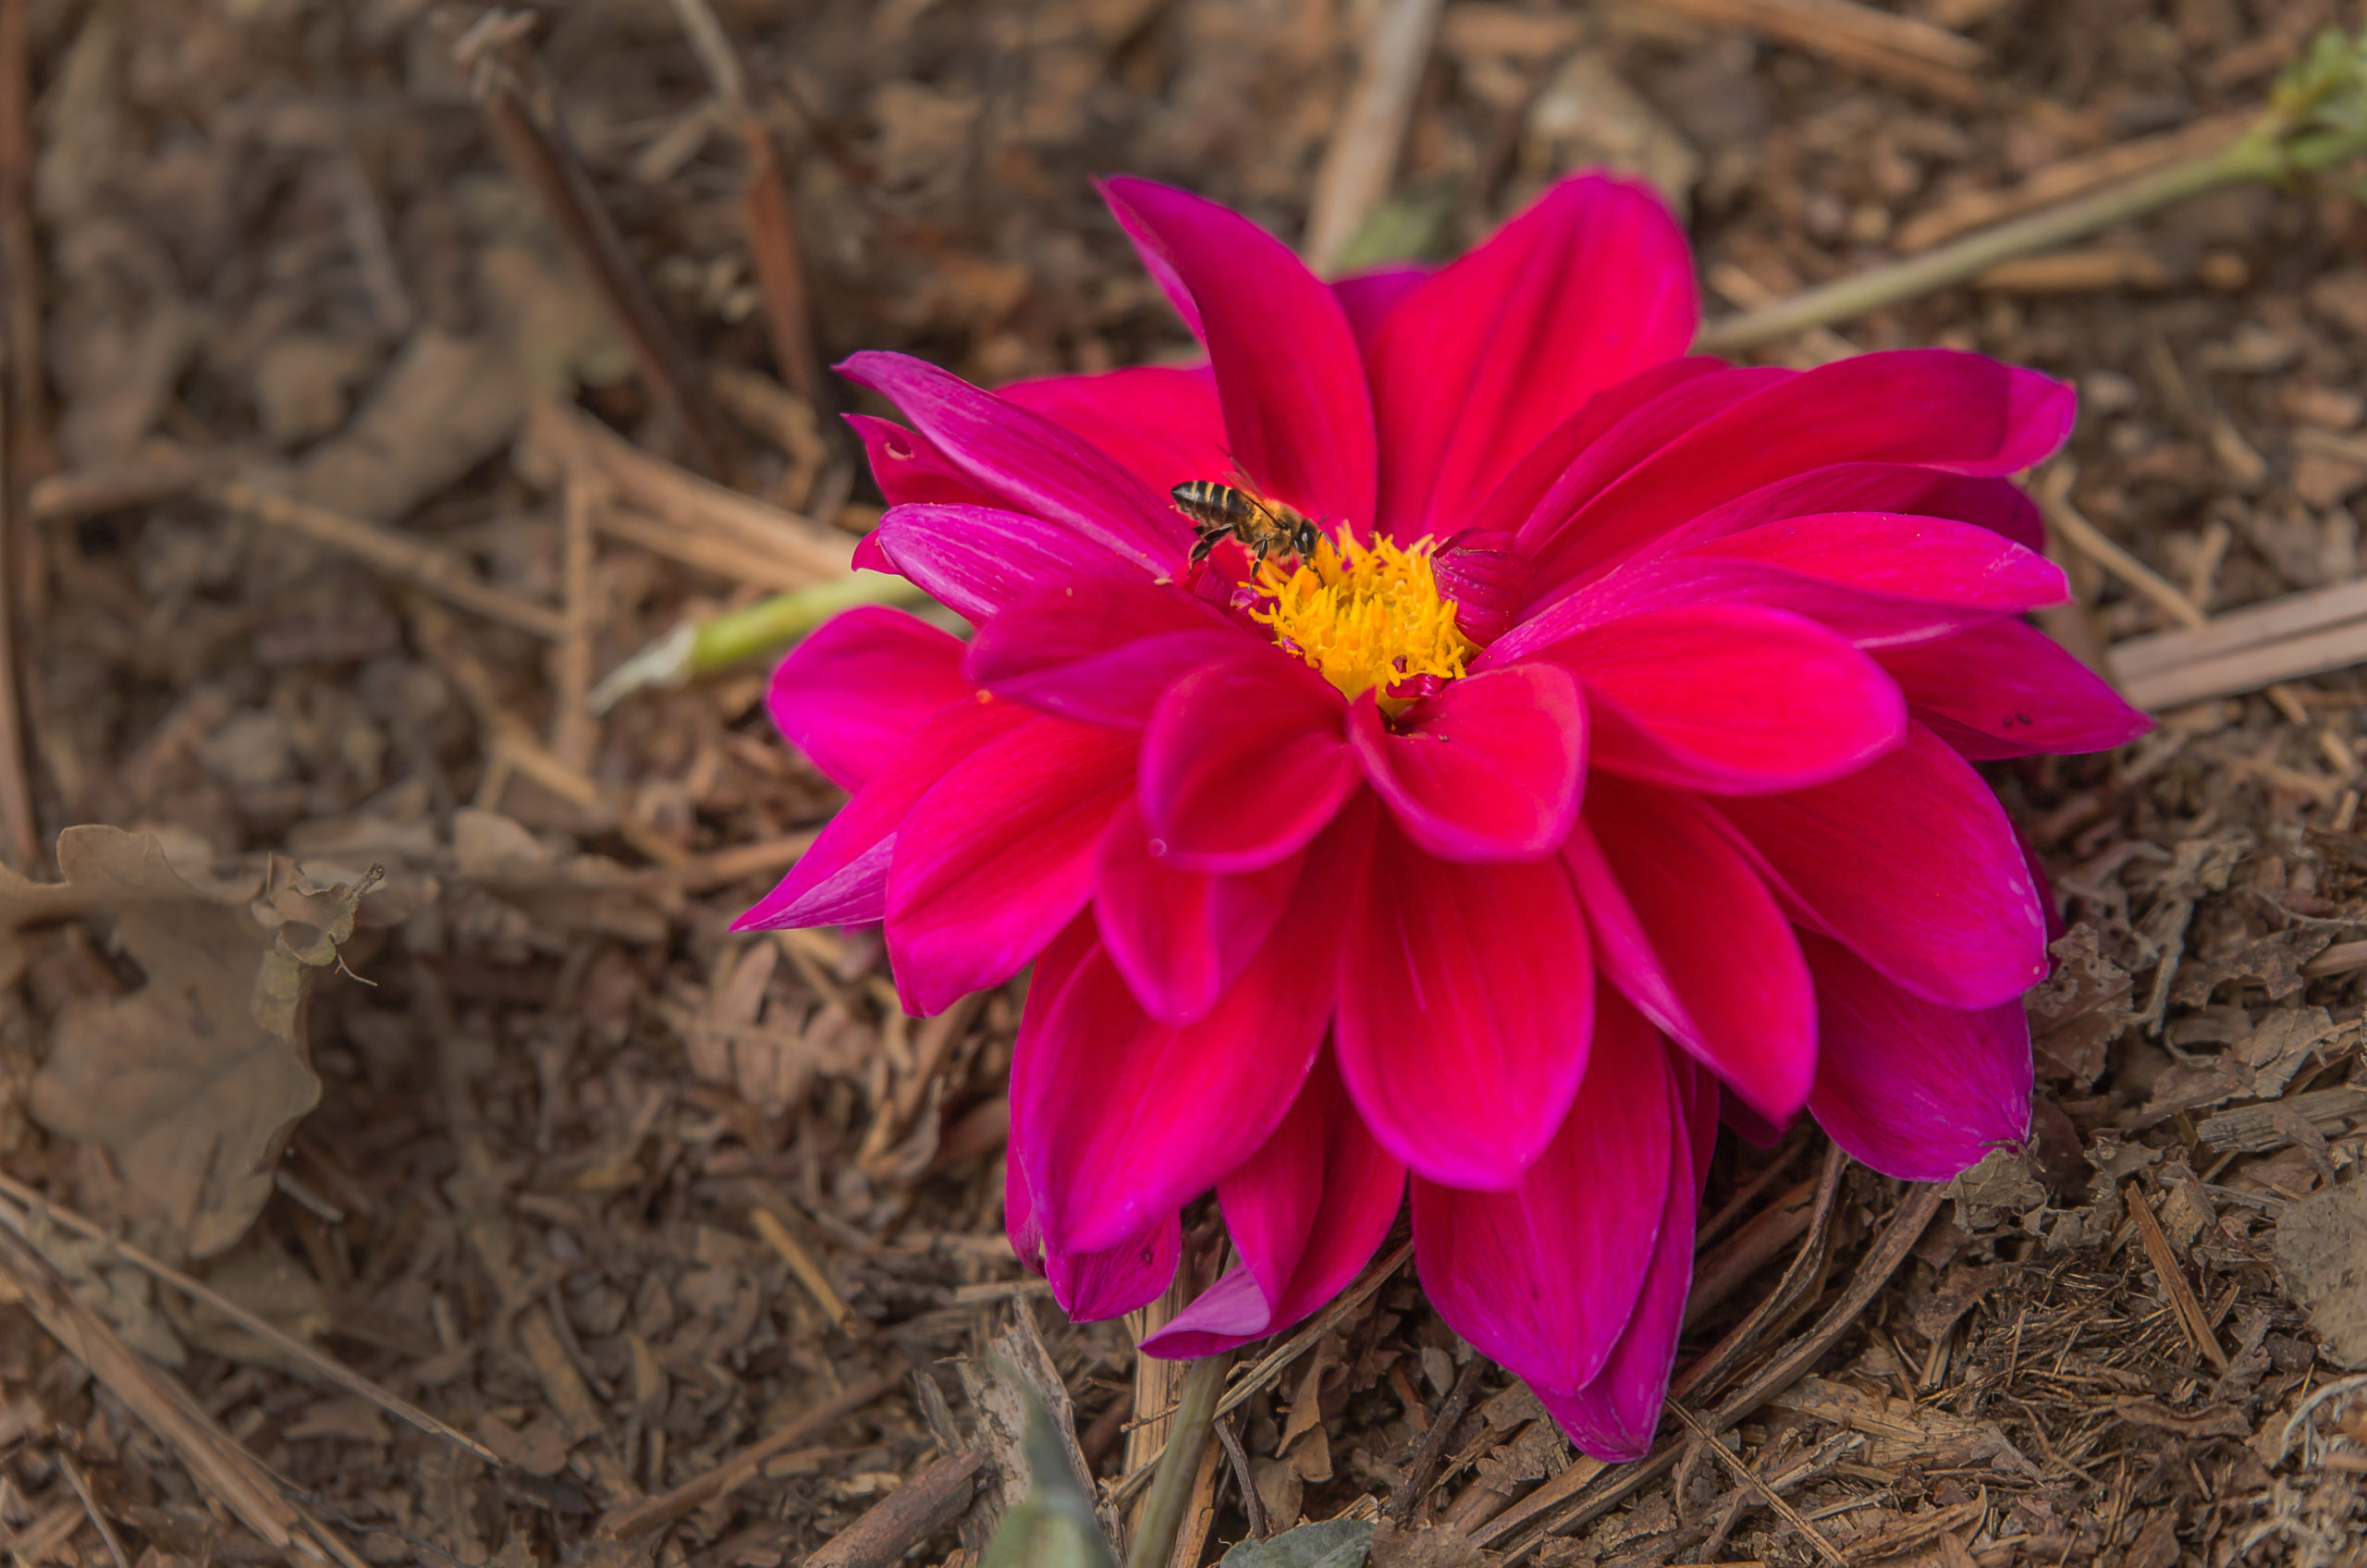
(1265, 527)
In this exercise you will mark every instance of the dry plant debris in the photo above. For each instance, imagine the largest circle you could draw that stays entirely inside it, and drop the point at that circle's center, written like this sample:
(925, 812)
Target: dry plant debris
(340, 468)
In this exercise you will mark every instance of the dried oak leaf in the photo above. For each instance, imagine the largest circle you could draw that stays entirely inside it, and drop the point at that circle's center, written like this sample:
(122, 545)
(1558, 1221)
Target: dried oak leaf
(2001, 1186)
(2272, 962)
(2080, 1008)
(2322, 1252)
(193, 1081)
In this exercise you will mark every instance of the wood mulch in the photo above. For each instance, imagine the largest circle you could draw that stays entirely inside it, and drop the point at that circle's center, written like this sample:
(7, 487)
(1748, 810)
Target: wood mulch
(369, 364)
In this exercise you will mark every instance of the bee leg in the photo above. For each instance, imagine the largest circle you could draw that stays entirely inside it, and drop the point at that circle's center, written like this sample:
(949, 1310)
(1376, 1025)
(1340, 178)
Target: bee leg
(1202, 546)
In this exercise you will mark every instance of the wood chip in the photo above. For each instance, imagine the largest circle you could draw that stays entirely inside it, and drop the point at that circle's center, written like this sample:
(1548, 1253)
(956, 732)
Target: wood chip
(2166, 1267)
(1882, 43)
(744, 1466)
(905, 1517)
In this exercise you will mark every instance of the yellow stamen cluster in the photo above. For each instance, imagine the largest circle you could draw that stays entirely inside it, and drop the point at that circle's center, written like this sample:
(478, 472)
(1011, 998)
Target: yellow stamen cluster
(1363, 616)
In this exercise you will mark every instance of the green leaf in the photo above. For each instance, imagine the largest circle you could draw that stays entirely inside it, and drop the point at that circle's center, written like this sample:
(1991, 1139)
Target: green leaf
(1055, 1528)
(1335, 1543)
(1415, 225)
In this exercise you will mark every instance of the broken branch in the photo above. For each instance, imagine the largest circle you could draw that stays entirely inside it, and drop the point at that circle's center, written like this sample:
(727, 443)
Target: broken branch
(2312, 122)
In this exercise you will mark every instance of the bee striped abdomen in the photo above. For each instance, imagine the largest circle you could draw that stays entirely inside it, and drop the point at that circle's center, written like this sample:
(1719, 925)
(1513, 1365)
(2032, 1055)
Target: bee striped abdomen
(1207, 502)
(1265, 528)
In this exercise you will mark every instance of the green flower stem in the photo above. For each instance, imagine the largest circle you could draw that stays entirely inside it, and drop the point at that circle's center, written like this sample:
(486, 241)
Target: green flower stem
(1179, 1463)
(2316, 118)
(699, 648)
(769, 625)
(1976, 254)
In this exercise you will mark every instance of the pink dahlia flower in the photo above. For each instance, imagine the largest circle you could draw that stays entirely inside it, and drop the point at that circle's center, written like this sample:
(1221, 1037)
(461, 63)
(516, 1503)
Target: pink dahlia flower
(1610, 752)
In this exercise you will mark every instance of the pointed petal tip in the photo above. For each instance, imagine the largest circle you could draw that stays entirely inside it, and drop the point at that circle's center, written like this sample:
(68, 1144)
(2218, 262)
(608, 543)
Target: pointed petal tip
(1594, 1428)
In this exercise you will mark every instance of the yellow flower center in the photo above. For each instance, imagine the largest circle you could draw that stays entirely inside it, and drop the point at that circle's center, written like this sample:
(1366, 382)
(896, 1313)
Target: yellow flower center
(1363, 616)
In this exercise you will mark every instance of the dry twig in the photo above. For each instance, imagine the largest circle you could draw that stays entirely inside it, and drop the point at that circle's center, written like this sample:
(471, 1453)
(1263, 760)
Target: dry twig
(428, 566)
(640, 1518)
(575, 732)
(2284, 639)
(1424, 1470)
(82, 1485)
(19, 834)
(2168, 674)
(1363, 153)
(27, 455)
(1269, 1367)
(231, 1476)
(530, 144)
(1157, 1381)
(883, 1532)
(2189, 1311)
(698, 522)
(1178, 1463)
(330, 1371)
(158, 471)
(2312, 122)
(1720, 1273)
(1574, 1498)
(765, 205)
(1767, 1494)
(809, 1272)
(2071, 177)
(1911, 52)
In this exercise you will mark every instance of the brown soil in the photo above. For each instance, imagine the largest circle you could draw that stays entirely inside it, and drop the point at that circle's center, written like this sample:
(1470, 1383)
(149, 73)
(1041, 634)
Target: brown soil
(615, 1193)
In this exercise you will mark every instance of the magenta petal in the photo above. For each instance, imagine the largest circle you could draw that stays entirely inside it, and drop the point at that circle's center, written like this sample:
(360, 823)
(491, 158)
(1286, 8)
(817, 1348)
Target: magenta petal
(909, 466)
(1908, 488)
(1000, 855)
(1866, 619)
(1181, 937)
(1244, 762)
(1104, 654)
(1161, 421)
(1121, 1119)
(2055, 929)
(863, 685)
(1544, 1278)
(1028, 462)
(1590, 284)
(975, 560)
(1876, 578)
(1485, 579)
(1297, 413)
(842, 879)
(1912, 862)
(1464, 1010)
(1612, 435)
(1748, 1126)
(2006, 689)
(1368, 297)
(1911, 558)
(1685, 928)
(1962, 412)
(1232, 1311)
(1487, 768)
(1918, 1092)
(1308, 1211)
(1613, 1417)
(1730, 698)
(1091, 1286)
